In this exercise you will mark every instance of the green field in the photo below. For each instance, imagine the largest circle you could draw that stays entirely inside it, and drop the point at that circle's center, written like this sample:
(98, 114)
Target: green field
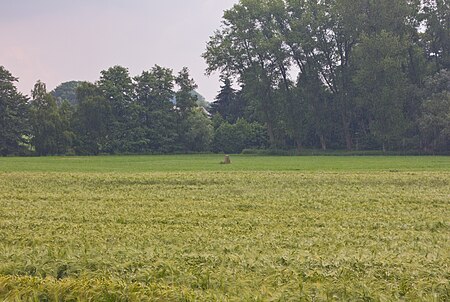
(185, 228)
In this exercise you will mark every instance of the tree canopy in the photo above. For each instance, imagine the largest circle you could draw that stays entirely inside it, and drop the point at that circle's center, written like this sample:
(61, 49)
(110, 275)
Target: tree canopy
(14, 127)
(340, 73)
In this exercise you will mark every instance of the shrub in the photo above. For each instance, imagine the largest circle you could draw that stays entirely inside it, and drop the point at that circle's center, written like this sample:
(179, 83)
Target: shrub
(233, 138)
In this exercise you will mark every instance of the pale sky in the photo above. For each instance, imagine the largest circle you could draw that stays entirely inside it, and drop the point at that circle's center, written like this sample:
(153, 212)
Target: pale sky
(57, 41)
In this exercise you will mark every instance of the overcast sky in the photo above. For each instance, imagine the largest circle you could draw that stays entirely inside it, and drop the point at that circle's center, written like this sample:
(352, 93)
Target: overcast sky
(61, 40)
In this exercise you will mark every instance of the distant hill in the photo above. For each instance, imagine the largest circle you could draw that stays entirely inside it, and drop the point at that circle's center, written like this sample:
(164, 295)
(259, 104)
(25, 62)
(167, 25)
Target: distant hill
(66, 91)
(201, 100)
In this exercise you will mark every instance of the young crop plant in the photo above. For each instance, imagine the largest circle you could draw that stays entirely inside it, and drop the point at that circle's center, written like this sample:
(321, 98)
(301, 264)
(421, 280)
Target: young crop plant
(270, 229)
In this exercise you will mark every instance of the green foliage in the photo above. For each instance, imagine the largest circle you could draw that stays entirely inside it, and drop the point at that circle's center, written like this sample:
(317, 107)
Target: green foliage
(49, 133)
(292, 229)
(228, 103)
(154, 90)
(233, 138)
(91, 120)
(334, 74)
(435, 121)
(200, 132)
(359, 68)
(382, 84)
(186, 100)
(117, 88)
(13, 116)
(437, 34)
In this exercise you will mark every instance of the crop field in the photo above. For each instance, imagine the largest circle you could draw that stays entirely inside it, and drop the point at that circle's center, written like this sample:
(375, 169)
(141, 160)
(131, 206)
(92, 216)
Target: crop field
(185, 228)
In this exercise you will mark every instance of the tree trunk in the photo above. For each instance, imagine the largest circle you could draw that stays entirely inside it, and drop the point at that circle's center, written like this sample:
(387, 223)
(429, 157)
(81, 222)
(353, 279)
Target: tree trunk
(348, 138)
(323, 143)
(298, 145)
(271, 134)
(347, 134)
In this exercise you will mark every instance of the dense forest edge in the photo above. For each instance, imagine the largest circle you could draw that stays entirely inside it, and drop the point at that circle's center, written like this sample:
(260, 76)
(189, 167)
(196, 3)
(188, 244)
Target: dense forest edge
(338, 77)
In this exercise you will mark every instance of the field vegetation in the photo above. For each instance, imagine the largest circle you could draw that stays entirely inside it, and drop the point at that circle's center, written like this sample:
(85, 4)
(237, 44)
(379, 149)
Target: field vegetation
(185, 228)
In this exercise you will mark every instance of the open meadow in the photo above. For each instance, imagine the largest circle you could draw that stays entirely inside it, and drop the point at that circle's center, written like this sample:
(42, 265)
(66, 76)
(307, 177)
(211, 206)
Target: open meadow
(186, 228)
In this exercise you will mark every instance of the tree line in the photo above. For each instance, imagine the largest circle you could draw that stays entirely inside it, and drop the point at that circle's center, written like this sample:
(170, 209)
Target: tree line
(154, 112)
(341, 74)
(330, 74)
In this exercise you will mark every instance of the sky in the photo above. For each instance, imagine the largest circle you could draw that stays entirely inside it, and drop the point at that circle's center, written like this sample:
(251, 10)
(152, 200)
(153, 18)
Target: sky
(56, 41)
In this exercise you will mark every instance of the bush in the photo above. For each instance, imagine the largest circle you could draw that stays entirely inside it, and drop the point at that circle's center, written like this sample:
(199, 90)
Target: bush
(200, 132)
(233, 138)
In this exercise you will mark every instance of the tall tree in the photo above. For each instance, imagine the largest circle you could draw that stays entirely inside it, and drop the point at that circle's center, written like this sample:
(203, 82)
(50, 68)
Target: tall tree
(249, 48)
(228, 104)
(437, 33)
(317, 107)
(117, 88)
(382, 84)
(91, 120)
(186, 102)
(154, 91)
(434, 123)
(66, 113)
(48, 135)
(13, 115)
(185, 99)
(263, 43)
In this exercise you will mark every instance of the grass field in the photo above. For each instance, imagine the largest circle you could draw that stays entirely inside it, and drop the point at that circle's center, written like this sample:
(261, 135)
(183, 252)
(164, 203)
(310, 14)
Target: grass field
(185, 228)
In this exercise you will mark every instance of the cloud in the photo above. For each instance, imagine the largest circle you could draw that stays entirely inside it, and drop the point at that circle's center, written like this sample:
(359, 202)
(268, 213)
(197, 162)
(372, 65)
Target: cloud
(58, 41)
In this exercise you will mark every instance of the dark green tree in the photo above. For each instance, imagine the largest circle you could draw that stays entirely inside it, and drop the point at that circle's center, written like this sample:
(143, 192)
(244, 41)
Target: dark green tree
(91, 120)
(200, 132)
(434, 123)
(263, 43)
(228, 103)
(117, 88)
(66, 113)
(186, 102)
(185, 99)
(154, 91)
(48, 137)
(317, 109)
(14, 128)
(233, 138)
(437, 35)
(382, 84)
(250, 49)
